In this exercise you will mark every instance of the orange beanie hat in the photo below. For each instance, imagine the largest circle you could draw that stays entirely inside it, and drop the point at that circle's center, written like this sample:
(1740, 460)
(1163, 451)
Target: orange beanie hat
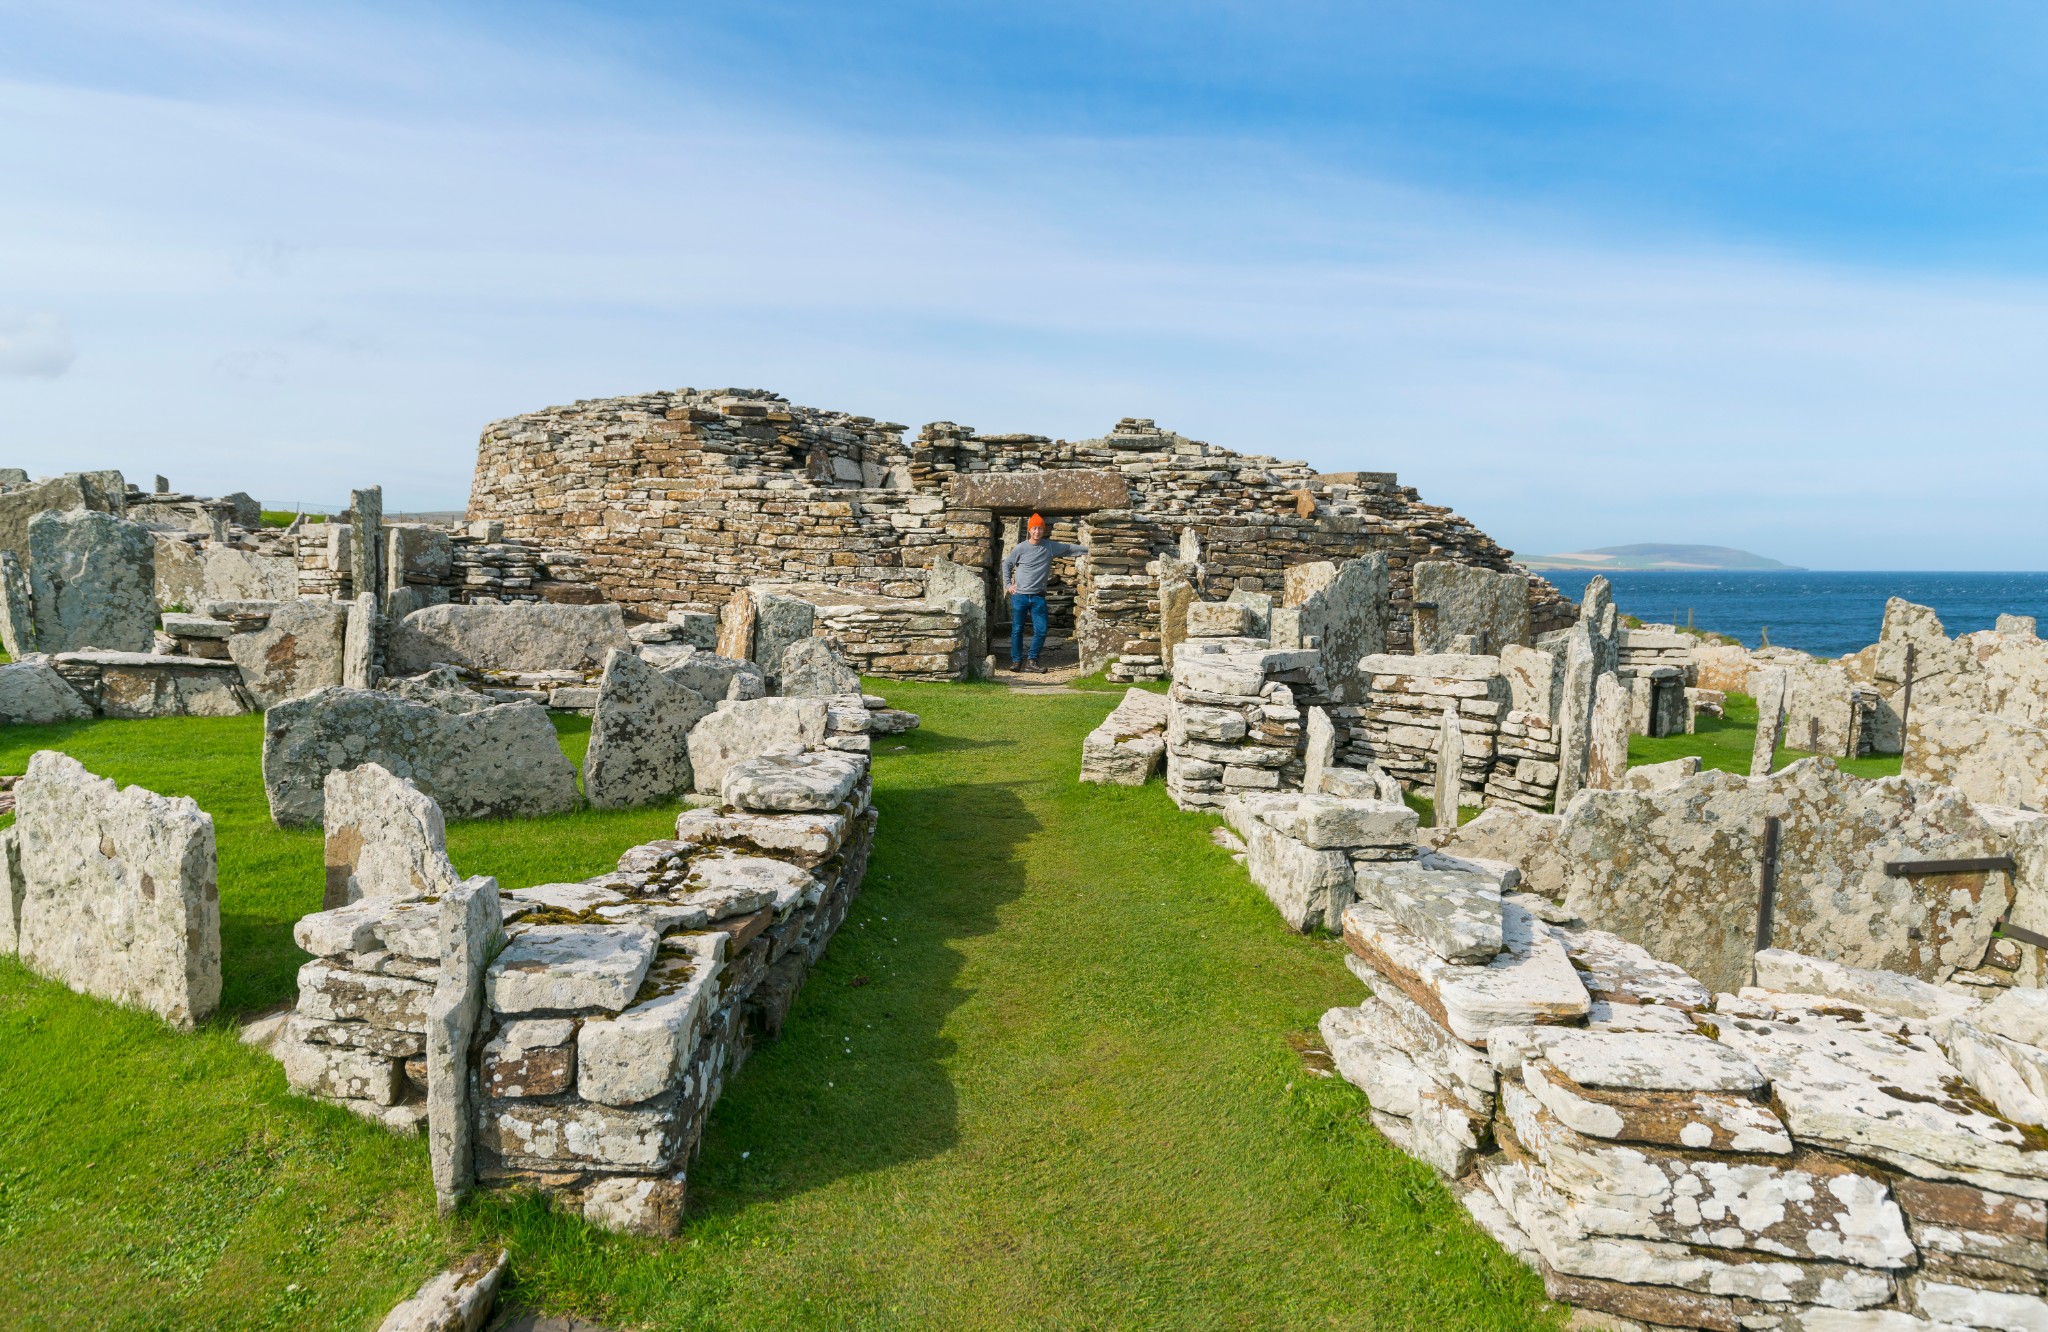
(1037, 520)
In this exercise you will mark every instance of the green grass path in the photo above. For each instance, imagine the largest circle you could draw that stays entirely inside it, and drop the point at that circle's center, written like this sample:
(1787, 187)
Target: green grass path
(1046, 1077)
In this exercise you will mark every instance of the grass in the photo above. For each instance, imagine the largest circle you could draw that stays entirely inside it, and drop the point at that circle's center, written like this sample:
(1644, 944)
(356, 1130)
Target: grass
(1048, 1076)
(1725, 743)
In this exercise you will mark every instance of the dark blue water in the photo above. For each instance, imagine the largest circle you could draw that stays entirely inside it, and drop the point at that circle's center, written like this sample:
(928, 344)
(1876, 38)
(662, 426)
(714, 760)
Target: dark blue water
(1827, 614)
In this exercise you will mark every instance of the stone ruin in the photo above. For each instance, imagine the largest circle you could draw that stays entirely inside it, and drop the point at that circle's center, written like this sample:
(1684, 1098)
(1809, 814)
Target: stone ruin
(1707, 1051)
(571, 1037)
(683, 499)
(1257, 686)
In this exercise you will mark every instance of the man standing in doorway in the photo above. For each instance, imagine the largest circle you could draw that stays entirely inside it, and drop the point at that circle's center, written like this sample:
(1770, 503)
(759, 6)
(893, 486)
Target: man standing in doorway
(1026, 570)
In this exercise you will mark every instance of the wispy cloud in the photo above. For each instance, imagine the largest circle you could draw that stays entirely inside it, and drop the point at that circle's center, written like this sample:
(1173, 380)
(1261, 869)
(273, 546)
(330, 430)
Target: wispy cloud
(300, 293)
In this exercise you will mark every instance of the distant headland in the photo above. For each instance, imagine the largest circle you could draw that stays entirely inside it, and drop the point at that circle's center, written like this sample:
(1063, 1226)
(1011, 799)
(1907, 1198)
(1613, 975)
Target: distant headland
(1653, 558)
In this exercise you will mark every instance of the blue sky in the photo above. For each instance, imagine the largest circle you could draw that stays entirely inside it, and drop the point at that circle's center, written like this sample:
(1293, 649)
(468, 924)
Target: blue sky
(1773, 276)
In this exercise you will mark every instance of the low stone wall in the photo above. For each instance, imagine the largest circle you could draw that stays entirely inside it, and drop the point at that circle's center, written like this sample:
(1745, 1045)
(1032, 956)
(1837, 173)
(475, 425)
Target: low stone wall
(597, 1037)
(112, 891)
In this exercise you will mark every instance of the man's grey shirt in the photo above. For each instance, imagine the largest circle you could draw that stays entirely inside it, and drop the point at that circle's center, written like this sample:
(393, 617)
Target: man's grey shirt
(1029, 564)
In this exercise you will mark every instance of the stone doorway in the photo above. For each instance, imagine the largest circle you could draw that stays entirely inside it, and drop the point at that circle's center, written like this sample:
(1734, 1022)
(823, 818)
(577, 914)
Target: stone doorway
(1062, 654)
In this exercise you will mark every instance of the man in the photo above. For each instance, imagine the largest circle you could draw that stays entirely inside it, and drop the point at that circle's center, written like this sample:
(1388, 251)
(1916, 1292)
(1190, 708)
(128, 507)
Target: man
(1026, 570)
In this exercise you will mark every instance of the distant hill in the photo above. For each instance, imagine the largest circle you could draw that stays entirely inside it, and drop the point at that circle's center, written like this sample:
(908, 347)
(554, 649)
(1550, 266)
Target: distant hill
(1652, 558)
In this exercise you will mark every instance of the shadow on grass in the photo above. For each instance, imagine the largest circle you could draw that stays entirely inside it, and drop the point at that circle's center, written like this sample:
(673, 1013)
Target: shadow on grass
(861, 1080)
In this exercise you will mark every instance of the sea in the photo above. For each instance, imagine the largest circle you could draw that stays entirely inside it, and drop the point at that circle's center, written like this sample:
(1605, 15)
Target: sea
(1827, 614)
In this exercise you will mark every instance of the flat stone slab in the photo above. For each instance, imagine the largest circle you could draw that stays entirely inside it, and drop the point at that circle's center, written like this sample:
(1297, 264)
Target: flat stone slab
(803, 839)
(1434, 665)
(793, 783)
(1890, 1096)
(634, 1057)
(1696, 1121)
(564, 968)
(730, 878)
(1628, 1061)
(1325, 821)
(1865, 987)
(1531, 982)
(1620, 972)
(1458, 916)
(1817, 1209)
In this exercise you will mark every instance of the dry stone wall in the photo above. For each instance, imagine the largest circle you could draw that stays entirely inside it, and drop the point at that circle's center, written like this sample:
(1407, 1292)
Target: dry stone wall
(573, 1037)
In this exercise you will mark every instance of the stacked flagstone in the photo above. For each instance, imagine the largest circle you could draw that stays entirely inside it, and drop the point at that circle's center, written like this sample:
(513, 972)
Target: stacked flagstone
(1397, 724)
(1311, 854)
(1233, 723)
(1834, 1147)
(573, 1037)
(1138, 662)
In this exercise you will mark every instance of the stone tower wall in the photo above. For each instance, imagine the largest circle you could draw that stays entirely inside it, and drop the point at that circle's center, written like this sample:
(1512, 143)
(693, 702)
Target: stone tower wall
(677, 498)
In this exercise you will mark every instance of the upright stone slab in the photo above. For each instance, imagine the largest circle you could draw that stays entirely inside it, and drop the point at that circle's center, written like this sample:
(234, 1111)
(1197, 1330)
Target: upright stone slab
(1320, 753)
(1771, 685)
(1607, 733)
(499, 761)
(1347, 618)
(526, 636)
(948, 581)
(1678, 871)
(17, 611)
(12, 889)
(119, 895)
(385, 839)
(779, 622)
(366, 547)
(1176, 594)
(1486, 605)
(639, 736)
(1535, 677)
(744, 730)
(1602, 617)
(298, 652)
(1575, 709)
(1988, 758)
(472, 932)
(92, 578)
(359, 644)
(813, 668)
(1450, 763)
(736, 627)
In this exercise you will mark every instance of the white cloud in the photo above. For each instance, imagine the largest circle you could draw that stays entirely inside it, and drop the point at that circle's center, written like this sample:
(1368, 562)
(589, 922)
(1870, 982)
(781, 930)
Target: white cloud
(34, 345)
(295, 299)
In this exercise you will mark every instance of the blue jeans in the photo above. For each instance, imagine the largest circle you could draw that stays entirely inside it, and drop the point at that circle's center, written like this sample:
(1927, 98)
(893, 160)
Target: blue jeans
(1019, 604)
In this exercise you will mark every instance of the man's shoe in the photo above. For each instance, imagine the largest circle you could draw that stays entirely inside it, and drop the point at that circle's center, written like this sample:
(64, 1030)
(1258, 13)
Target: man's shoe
(1016, 666)
(1034, 667)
